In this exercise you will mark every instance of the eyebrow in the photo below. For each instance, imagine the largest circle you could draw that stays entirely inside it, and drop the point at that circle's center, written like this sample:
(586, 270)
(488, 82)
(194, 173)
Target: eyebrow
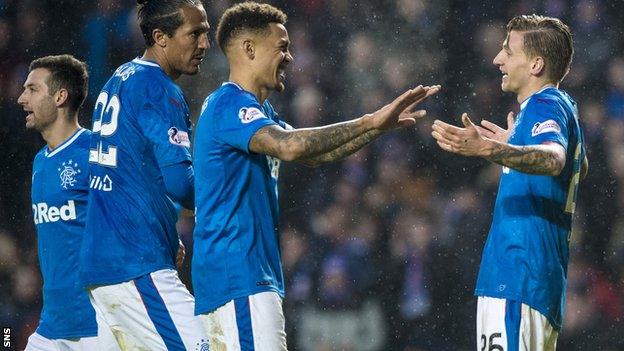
(201, 27)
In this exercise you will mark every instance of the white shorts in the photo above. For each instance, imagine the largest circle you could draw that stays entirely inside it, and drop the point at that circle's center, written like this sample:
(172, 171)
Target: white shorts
(249, 323)
(506, 325)
(104, 341)
(153, 312)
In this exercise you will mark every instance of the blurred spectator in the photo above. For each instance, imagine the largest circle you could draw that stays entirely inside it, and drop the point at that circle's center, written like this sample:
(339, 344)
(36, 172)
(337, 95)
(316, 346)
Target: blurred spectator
(345, 314)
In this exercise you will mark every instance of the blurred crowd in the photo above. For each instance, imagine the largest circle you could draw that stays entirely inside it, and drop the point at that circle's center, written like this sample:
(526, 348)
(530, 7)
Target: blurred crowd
(381, 250)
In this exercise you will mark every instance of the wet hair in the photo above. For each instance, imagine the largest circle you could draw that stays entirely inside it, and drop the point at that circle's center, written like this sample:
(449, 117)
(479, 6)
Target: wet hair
(161, 14)
(247, 16)
(549, 38)
(66, 72)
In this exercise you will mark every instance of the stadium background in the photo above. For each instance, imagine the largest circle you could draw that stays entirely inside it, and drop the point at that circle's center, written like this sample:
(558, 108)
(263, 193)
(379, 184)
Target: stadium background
(381, 250)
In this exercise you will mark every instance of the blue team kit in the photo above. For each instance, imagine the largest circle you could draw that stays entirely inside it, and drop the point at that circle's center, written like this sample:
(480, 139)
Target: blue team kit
(526, 254)
(236, 247)
(60, 181)
(140, 124)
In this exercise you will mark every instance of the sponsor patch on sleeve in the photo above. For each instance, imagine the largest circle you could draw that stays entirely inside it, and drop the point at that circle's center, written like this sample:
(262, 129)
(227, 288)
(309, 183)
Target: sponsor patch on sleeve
(250, 114)
(549, 126)
(178, 137)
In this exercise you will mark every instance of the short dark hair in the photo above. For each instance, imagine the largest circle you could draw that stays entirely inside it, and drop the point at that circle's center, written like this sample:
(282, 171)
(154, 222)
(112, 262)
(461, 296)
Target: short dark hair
(549, 38)
(247, 16)
(66, 72)
(161, 14)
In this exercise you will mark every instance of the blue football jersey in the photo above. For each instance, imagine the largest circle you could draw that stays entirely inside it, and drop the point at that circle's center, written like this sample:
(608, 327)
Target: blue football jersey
(60, 186)
(236, 246)
(526, 253)
(140, 124)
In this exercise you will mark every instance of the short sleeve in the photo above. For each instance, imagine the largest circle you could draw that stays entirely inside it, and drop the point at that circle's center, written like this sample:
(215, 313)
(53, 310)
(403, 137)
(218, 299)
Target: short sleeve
(286, 125)
(162, 119)
(239, 117)
(545, 121)
(274, 116)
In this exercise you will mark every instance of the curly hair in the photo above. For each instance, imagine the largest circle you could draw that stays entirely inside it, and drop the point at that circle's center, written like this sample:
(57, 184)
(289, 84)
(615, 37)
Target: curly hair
(246, 16)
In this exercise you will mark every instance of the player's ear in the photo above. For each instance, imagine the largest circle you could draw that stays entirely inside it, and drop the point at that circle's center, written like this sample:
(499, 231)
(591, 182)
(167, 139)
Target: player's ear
(61, 97)
(160, 38)
(249, 48)
(537, 66)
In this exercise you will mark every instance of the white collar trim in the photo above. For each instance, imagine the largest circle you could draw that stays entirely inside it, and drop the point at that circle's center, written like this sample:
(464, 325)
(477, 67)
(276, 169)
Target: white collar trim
(65, 144)
(234, 84)
(145, 62)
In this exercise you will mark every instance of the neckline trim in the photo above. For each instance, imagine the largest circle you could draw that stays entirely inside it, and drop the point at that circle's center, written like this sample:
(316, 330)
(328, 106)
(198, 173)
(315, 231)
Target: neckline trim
(526, 101)
(64, 144)
(145, 62)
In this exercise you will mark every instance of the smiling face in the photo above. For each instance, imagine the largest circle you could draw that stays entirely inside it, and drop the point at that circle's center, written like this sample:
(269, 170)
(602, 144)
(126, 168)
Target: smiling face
(185, 49)
(514, 64)
(37, 102)
(272, 57)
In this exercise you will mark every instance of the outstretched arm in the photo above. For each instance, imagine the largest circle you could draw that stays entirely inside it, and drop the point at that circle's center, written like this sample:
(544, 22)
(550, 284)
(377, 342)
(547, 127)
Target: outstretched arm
(544, 159)
(329, 143)
(343, 151)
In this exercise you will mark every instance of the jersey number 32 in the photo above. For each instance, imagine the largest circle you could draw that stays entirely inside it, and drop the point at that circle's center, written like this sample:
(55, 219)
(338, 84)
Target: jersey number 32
(109, 108)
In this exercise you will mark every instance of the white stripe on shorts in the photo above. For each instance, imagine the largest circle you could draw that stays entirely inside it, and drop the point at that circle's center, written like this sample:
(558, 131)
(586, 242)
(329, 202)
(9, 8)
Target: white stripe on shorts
(513, 326)
(154, 312)
(252, 323)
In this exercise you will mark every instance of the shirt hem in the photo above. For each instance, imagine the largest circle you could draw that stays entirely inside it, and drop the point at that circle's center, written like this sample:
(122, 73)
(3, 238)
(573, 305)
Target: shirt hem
(209, 308)
(90, 283)
(65, 336)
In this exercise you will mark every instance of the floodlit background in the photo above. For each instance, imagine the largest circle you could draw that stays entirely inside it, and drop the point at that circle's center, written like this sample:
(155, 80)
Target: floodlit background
(381, 250)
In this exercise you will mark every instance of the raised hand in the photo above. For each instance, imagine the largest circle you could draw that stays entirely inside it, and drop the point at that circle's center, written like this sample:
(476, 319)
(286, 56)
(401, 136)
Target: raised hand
(399, 113)
(492, 131)
(466, 141)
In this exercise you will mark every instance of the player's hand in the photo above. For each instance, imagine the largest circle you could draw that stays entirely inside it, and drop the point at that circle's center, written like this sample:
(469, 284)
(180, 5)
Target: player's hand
(465, 141)
(180, 256)
(399, 113)
(492, 131)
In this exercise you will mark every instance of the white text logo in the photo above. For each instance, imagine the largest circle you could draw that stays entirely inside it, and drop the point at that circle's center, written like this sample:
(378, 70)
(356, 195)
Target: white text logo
(45, 214)
(101, 183)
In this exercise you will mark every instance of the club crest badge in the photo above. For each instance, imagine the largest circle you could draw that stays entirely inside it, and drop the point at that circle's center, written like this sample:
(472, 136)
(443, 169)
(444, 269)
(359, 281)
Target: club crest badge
(67, 173)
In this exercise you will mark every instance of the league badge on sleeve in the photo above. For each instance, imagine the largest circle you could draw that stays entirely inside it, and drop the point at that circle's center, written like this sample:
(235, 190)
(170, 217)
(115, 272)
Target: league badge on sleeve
(549, 126)
(178, 137)
(250, 114)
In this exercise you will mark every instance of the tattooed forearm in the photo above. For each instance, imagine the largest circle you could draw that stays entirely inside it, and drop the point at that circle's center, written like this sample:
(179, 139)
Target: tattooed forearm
(532, 159)
(344, 150)
(290, 145)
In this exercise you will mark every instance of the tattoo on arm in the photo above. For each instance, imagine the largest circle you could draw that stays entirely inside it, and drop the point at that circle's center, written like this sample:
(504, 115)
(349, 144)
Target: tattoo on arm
(343, 151)
(532, 159)
(304, 143)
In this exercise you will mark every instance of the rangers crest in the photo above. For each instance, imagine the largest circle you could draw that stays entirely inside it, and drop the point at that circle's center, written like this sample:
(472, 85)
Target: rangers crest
(68, 172)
